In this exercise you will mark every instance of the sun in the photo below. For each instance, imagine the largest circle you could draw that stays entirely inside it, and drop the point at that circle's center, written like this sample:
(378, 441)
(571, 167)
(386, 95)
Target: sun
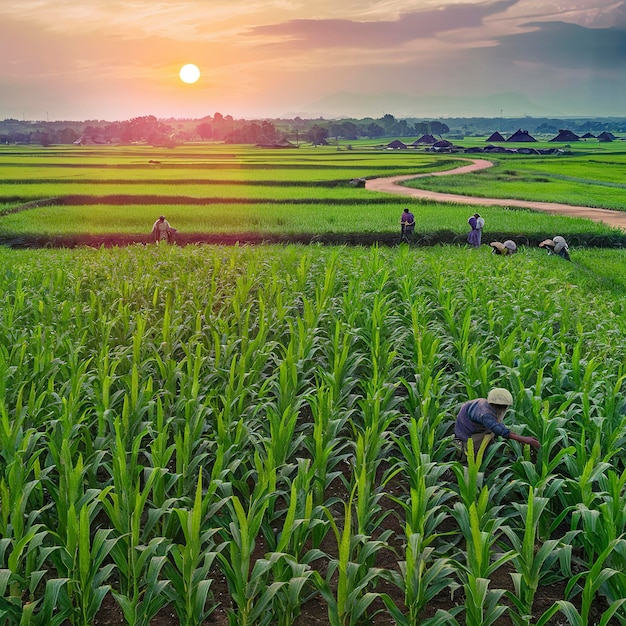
(189, 73)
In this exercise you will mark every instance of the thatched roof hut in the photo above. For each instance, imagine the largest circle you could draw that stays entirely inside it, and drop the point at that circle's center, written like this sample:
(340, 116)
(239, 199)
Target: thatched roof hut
(495, 137)
(396, 144)
(281, 143)
(565, 136)
(588, 136)
(521, 135)
(606, 136)
(424, 139)
(442, 145)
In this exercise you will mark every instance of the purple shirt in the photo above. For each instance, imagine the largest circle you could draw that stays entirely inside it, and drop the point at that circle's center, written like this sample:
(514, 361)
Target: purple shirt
(407, 218)
(477, 416)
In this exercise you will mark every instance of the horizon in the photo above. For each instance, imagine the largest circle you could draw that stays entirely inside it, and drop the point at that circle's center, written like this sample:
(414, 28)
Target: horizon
(265, 59)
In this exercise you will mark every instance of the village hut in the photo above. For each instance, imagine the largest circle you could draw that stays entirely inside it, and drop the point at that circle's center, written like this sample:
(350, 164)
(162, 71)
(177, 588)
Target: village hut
(444, 144)
(424, 139)
(521, 135)
(396, 144)
(90, 140)
(588, 136)
(606, 136)
(565, 136)
(495, 137)
(280, 143)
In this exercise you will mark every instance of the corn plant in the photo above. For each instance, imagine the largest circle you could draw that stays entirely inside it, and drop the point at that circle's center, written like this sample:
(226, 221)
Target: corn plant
(594, 579)
(429, 420)
(422, 575)
(534, 567)
(81, 559)
(342, 373)
(289, 598)
(324, 444)
(302, 521)
(248, 584)
(23, 535)
(44, 611)
(349, 603)
(480, 528)
(190, 563)
(469, 477)
(424, 511)
(125, 504)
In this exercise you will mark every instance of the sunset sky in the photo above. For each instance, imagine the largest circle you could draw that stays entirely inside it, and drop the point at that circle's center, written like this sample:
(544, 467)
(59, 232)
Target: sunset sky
(114, 59)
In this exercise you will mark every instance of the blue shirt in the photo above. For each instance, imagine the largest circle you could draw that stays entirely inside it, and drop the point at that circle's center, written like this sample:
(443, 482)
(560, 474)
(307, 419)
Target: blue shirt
(477, 416)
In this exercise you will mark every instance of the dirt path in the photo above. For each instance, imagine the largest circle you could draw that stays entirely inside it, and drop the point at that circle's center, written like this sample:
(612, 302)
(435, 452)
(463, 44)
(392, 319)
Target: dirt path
(391, 185)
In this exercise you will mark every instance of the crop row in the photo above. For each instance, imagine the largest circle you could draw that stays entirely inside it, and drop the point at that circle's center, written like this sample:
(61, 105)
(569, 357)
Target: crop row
(314, 218)
(256, 431)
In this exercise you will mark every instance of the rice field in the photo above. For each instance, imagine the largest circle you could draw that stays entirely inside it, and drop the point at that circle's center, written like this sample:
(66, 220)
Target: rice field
(211, 435)
(214, 189)
(583, 180)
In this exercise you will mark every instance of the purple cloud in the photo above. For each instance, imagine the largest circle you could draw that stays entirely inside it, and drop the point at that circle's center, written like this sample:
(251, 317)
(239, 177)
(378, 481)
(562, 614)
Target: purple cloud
(380, 34)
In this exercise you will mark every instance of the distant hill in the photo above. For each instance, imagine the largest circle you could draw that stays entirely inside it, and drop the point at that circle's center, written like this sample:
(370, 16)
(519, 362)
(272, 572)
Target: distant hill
(405, 105)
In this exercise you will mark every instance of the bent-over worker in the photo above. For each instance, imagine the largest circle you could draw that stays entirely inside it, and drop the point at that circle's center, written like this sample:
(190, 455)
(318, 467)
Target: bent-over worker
(481, 419)
(556, 245)
(508, 247)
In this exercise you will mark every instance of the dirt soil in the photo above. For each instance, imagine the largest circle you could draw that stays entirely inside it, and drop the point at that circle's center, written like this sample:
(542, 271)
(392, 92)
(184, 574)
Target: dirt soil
(392, 185)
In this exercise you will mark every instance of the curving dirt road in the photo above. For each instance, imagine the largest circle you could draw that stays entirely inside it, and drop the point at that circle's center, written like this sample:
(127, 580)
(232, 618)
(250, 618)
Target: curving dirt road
(391, 185)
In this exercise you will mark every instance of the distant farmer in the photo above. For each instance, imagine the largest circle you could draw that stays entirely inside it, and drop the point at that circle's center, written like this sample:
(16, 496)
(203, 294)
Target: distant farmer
(407, 225)
(162, 231)
(506, 248)
(481, 419)
(477, 224)
(556, 245)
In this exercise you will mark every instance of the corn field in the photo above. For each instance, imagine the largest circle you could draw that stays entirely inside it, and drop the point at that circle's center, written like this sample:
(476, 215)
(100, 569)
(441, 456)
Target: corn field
(236, 435)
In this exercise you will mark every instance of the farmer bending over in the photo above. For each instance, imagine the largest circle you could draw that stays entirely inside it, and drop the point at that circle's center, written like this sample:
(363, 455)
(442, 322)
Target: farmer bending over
(556, 245)
(481, 419)
(506, 248)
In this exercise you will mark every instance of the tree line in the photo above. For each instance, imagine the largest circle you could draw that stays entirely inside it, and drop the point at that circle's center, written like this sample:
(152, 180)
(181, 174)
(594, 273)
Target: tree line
(217, 127)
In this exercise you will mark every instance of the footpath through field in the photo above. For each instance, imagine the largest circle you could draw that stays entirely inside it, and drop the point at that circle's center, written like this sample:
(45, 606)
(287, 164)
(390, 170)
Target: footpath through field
(392, 185)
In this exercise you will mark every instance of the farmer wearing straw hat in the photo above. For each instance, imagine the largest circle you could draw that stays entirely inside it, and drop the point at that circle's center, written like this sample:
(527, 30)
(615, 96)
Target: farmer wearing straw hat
(481, 419)
(558, 245)
(506, 248)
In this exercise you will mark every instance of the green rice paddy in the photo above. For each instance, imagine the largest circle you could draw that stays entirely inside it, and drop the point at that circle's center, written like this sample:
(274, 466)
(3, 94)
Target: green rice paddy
(229, 189)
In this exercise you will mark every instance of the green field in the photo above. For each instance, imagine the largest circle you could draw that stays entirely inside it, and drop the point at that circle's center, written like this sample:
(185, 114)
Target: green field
(266, 433)
(216, 189)
(263, 435)
(583, 180)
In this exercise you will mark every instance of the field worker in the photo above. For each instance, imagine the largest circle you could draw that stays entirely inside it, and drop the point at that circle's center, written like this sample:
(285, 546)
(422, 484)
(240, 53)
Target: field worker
(477, 224)
(481, 419)
(407, 225)
(508, 247)
(162, 231)
(558, 245)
